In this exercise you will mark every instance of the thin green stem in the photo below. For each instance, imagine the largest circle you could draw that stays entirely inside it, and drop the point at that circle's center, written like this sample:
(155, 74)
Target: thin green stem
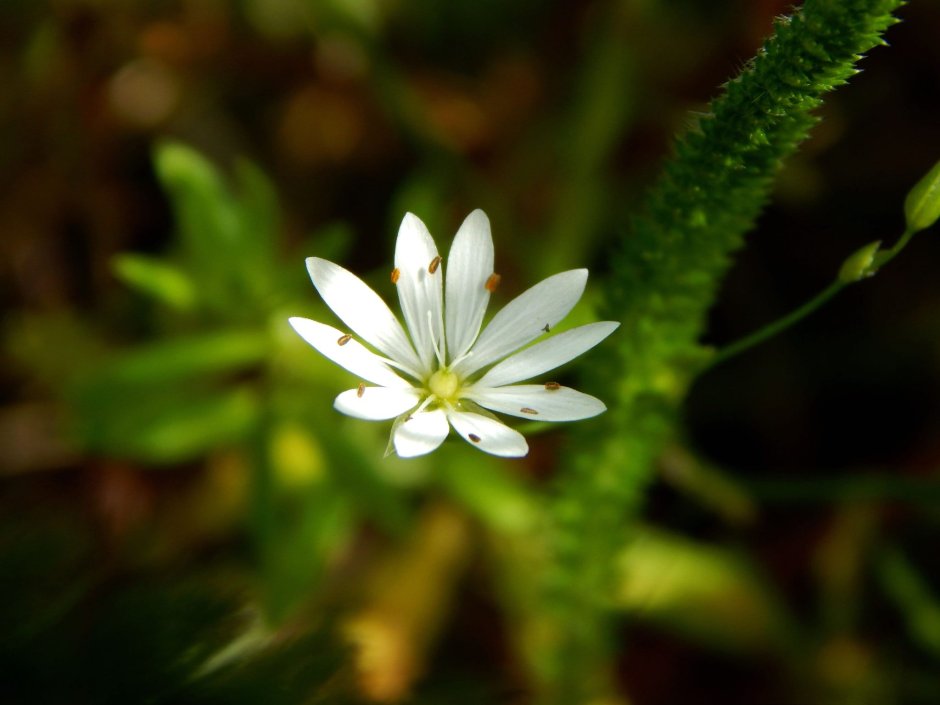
(882, 258)
(781, 324)
(778, 326)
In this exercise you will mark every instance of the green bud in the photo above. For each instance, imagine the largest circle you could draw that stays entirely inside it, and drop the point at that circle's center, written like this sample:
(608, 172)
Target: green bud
(858, 265)
(922, 205)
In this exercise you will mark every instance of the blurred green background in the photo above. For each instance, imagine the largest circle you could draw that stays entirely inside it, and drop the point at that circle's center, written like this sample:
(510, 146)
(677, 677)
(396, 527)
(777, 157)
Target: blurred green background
(184, 518)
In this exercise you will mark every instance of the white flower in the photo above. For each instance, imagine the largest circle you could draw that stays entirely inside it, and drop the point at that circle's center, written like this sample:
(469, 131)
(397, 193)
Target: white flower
(445, 375)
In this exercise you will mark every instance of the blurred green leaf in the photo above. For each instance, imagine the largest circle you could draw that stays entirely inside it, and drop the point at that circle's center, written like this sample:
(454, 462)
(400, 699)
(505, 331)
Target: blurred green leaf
(603, 110)
(53, 348)
(496, 496)
(708, 484)
(228, 243)
(161, 280)
(147, 639)
(308, 667)
(260, 211)
(180, 359)
(300, 519)
(44, 571)
(165, 427)
(73, 635)
(332, 241)
(157, 404)
(702, 591)
(203, 206)
(352, 470)
(304, 537)
(424, 194)
(914, 598)
(230, 237)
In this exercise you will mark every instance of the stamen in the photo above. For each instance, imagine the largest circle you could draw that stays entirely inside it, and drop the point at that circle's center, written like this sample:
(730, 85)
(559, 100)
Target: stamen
(360, 390)
(437, 350)
(343, 339)
(395, 274)
(421, 407)
(546, 328)
(410, 371)
(473, 437)
(527, 410)
(552, 386)
(461, 358)
(492, 282)
(435, 263)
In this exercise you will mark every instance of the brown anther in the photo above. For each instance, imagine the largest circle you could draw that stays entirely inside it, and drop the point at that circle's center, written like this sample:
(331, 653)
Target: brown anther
(492, 282)
(395, 274)
(552, 386)
(435, 263)
(473, 437)
(546, 328)
(527, 410)
(343, 339)
(360, 390)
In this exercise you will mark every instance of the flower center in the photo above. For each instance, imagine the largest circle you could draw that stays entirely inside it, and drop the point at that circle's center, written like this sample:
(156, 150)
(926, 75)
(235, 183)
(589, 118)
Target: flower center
(444, 384)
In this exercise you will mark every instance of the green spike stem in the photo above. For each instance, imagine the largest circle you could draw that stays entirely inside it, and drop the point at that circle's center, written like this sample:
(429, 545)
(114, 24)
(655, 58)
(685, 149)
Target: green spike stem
(664, 278)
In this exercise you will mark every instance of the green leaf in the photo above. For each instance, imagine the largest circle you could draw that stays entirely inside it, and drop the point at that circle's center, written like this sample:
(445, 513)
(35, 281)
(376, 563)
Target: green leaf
(203, 205)
(229, 240)
(497, 497)
(208, 221)
(74, 634)
(36, 343)
(167, 427)
(701, 591)
(159, 279)
(914, 598)
(332, 241)
(260, 212)
(305, 535)
(298, 667)
(179, 359)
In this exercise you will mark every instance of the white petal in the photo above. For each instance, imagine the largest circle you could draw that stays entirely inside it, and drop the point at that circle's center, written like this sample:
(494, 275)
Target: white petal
(525, 318)
(562, 404)
(351, 354)
(376, 403)
(419, 290)
(362, 310)
(469, 266)
(548, 354)
(488, 434)
(421, 434)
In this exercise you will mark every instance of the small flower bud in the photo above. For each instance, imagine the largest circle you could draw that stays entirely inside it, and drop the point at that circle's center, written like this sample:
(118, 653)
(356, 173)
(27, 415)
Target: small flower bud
(922, 205)
(858, 265)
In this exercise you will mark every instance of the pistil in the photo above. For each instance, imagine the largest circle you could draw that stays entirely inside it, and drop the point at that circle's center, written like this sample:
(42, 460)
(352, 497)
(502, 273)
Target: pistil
(444, 384)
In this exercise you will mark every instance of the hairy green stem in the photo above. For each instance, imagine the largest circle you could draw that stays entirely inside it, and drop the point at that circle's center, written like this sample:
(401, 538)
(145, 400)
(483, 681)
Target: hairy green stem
(664, 278)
